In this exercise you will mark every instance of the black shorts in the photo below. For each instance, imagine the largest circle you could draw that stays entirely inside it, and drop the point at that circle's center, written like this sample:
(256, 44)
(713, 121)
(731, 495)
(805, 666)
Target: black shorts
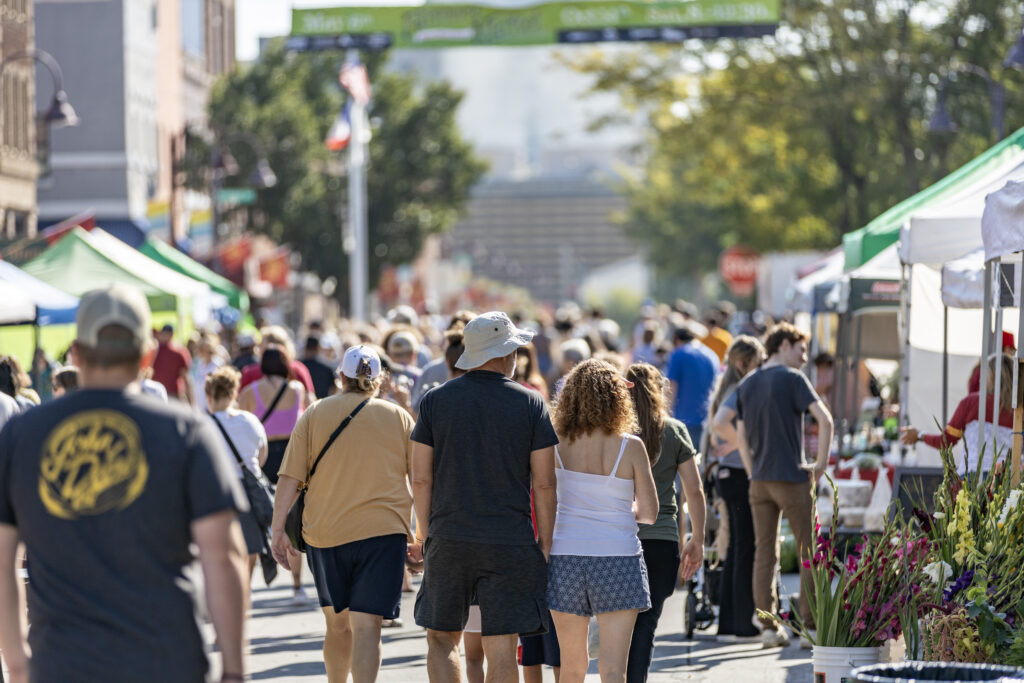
(542, 649)
(362, 576)
(508, 581)
(275, 455)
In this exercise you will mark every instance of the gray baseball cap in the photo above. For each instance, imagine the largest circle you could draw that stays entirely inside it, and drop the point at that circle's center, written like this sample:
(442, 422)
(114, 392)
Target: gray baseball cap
(115, 305)
(490, 335)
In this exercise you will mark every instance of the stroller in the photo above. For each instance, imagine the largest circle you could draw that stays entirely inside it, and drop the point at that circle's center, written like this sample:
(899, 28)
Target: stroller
(701, 594)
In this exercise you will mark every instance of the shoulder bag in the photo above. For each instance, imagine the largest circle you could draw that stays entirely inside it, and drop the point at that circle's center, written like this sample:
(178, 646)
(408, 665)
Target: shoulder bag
(277, 399)
(293, 522)
(261, 501)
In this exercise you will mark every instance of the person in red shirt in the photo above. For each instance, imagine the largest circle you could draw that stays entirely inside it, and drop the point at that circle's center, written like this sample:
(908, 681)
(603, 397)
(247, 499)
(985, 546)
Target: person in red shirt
(171, 365)
(965, 423)
(279, 336)
(1009, 348)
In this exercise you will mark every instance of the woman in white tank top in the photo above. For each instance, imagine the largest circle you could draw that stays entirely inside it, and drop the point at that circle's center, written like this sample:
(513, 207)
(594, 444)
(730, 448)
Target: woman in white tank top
(605, 487)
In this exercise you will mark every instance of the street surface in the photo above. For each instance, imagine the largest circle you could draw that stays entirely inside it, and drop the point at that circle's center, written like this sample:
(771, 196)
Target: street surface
(285, 645)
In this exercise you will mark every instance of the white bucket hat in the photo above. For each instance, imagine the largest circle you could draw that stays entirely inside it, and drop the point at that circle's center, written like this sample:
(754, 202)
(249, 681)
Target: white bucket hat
(490, 335)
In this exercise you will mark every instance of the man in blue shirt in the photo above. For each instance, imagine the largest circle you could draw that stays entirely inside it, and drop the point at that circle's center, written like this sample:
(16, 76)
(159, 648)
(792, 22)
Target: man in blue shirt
(692, 369)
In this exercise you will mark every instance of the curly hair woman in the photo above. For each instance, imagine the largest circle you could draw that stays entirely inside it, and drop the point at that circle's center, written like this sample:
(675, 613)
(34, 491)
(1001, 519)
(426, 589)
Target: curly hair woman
(605, 487)
(672, 452)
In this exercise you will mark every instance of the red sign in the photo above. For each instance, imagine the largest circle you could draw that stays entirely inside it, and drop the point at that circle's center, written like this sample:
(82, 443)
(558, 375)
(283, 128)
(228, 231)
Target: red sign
(275, 269)
(738, 267)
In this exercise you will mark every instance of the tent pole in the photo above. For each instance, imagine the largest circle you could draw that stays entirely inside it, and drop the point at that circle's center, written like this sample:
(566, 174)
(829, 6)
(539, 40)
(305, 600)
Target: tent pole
(997, 351)
(1018, 398)
(855, 408)
(908, 271)
(842, 365)
(945, 365)
(986, 345)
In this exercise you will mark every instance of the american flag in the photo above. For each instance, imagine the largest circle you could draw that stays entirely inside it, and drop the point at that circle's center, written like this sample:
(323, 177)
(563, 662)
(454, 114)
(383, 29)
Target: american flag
(354, 79)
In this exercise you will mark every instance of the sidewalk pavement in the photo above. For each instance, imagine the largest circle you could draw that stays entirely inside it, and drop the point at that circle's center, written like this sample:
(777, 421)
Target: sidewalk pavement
(286, 642)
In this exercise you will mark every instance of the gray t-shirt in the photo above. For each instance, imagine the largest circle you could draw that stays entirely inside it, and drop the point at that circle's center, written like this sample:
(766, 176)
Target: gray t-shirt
(771, 402)
(733, 458)
(103, 487)
(483, 427)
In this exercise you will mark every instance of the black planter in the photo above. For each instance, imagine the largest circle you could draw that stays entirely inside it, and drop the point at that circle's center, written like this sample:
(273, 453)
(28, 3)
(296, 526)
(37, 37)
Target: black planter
(950, 672)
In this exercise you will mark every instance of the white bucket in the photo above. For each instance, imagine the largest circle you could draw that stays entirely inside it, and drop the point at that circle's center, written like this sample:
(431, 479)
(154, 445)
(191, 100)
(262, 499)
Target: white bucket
(835, 664)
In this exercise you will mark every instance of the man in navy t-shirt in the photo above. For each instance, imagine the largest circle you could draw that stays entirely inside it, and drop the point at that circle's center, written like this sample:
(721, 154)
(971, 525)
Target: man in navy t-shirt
(692, 369)
(108, 489)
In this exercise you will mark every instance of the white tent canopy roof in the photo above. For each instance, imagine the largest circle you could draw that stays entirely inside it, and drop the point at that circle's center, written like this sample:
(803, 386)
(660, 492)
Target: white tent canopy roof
(1002, 224)
(830, 270)
(16, 305)
(943, 233)
(884, 266)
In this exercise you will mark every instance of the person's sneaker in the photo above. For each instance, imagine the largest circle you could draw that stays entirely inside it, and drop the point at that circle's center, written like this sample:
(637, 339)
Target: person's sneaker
(774, 638)
(805, 643)
(299, 597)
(758, 626)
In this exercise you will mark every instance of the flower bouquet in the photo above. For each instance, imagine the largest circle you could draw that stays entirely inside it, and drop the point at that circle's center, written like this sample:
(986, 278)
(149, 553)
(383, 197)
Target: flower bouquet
(862, 600)
(974, 607)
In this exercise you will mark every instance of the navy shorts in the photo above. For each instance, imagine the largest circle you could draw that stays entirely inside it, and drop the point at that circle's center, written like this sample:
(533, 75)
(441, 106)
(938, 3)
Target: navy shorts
(586, 585)
(362, 576)
(541, 649)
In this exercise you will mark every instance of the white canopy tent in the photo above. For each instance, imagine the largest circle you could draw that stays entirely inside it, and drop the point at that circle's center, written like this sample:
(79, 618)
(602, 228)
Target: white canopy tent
(17, 307)
(1002, 231)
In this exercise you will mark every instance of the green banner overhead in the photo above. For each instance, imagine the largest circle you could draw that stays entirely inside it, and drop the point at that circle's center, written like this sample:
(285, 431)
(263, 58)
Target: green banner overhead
(463, 25)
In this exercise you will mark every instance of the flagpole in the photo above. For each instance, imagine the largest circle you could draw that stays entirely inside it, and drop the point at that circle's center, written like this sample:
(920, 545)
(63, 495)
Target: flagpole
(357, 210)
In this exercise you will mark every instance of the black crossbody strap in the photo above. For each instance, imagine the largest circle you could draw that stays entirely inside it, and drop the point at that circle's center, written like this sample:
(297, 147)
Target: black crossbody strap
(228, 439)
(277, 399)
(341, 427)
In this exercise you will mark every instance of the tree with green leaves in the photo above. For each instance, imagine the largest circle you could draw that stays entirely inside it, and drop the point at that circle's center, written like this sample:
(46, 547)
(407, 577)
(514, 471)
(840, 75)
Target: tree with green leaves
(419, 173)
(788, 142)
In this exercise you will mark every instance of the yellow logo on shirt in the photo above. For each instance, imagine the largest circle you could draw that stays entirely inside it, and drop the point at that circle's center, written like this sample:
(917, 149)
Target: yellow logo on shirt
(92, 462)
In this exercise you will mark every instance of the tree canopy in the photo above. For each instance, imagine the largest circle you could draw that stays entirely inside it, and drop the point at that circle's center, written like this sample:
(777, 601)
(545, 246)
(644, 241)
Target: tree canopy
(792, 140)
(419, 171)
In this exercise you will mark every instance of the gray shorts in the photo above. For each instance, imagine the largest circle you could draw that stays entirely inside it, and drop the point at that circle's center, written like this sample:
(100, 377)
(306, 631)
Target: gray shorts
(508, 582)
(586, 585)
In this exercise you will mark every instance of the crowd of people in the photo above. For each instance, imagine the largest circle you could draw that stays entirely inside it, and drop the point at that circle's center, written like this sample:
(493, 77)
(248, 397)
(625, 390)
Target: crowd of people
(533, 469)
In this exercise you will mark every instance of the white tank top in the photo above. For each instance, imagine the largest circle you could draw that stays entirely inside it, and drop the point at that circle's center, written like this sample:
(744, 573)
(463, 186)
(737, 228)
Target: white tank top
(595, 513)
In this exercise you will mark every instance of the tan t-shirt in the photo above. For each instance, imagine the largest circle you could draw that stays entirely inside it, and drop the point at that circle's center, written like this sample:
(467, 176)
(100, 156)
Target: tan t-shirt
(360, 489)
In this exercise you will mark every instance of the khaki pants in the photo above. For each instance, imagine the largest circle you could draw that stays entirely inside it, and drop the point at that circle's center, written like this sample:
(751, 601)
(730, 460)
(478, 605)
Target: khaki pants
(769, 500)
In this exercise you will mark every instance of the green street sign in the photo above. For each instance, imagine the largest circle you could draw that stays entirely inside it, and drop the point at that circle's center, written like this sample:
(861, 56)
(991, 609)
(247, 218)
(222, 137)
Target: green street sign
(441, 25)
(241, 196)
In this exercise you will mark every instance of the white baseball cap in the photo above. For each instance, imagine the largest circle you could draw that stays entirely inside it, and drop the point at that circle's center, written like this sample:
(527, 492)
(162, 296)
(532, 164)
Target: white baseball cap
(490, 335)
(354, 359)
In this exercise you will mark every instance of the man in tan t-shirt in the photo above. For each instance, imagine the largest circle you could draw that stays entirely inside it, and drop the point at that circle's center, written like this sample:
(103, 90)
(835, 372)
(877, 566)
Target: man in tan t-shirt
(358, 509)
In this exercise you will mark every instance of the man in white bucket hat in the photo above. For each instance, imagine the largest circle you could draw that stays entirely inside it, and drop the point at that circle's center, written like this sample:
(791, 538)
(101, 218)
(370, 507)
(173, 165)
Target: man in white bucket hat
(481, 442)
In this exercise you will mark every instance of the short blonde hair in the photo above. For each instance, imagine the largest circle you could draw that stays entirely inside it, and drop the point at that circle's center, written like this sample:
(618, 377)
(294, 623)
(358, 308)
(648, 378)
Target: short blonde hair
(223, 383)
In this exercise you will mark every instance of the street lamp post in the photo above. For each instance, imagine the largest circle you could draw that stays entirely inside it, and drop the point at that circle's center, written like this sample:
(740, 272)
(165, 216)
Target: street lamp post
(60, 113)
(942, 122)
(223, 165)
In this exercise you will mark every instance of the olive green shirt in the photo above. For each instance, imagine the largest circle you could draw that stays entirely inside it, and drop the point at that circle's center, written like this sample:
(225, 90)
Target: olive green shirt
(676, 448)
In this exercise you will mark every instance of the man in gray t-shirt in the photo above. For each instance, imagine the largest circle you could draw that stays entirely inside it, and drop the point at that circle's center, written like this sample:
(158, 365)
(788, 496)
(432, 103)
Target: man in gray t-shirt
(770, 405)
(480, 444)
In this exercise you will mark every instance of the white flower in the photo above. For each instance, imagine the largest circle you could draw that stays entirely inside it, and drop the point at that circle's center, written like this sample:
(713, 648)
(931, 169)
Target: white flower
(1011, 502)
(938, 572)
(939, 515)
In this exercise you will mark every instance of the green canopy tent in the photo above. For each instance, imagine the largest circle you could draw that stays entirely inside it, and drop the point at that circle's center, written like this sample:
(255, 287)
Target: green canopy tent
(860, 246)
(81, 262)
(164, 253)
